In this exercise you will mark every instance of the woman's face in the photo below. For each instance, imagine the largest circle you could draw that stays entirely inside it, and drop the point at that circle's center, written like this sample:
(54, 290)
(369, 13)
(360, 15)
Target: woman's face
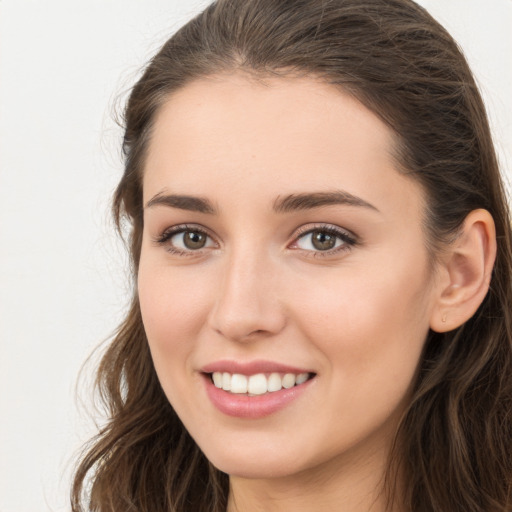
(281, 244)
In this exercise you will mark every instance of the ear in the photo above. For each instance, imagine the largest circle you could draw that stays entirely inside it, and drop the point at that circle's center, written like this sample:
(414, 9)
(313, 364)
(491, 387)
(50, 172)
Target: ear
(465, 272)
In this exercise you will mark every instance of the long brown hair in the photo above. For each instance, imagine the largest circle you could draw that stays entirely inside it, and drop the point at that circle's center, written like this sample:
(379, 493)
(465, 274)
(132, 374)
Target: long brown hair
(454, 444)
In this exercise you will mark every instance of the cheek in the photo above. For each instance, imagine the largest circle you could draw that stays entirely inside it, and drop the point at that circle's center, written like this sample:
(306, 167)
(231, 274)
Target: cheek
(174, 307)
(353, 303)
(371, 336)
(372, 323)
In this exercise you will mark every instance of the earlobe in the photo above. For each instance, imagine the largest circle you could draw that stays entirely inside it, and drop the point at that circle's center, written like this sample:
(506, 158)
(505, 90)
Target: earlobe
(467, 268)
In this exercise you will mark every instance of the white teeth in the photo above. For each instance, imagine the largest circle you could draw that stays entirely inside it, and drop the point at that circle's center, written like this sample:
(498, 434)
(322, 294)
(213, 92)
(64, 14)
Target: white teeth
(257, 384)
(301, 378)
(274, 382)
(238, 383)
(226, 381)
(217, 379)
(289, 381)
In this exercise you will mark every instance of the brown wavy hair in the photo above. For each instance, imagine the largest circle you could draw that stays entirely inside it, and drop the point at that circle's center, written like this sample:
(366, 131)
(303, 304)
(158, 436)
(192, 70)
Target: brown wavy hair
(454, 443)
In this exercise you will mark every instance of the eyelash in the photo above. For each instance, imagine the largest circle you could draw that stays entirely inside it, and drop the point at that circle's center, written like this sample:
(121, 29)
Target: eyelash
(166, 236)
(348, 239)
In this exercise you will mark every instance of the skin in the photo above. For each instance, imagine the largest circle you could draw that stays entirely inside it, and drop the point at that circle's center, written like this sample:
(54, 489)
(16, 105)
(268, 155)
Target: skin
(258, 289)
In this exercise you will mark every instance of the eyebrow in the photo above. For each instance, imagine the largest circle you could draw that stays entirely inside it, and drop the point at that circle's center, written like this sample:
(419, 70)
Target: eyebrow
(289, 203)
(182, 202)
(309, 201)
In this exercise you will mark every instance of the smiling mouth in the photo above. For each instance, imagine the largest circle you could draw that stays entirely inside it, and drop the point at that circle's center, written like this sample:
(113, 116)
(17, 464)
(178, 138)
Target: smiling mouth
(259, 383)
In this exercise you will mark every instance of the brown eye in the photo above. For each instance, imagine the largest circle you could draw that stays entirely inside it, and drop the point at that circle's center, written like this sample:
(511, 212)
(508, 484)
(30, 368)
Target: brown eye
(194, 240)
(327, 240)
(323, 241)
(182, 240)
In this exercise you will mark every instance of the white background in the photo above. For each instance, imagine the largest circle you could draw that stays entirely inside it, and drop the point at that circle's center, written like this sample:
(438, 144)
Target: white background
(63, 284)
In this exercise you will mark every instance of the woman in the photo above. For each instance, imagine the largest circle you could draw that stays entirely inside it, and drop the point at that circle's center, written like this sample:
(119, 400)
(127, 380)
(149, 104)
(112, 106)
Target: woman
(321, 251)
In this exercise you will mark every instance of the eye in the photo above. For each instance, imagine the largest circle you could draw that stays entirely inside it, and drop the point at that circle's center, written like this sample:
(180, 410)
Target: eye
(324, 239)
(185, 239)
(319, 241)
(192, 240)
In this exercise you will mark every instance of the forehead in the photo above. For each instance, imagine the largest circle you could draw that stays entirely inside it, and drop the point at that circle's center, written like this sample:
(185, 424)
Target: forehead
(250, 113)
(230, 133)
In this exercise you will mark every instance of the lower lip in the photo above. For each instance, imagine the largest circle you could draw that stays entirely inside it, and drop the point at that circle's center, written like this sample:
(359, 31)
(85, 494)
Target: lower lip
(252, 407)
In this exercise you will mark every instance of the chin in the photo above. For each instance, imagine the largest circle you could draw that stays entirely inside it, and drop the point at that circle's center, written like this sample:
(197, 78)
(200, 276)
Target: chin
(261, 464)
(257, 470)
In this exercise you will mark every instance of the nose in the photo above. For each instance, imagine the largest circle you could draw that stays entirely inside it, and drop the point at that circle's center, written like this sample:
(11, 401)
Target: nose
(247, 305)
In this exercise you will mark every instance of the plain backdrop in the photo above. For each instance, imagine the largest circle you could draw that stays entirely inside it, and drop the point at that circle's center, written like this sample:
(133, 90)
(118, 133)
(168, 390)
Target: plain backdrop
(64, 67)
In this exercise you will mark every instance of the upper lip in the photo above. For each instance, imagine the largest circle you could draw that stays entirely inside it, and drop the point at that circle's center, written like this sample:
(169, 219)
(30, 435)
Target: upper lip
(251, 367)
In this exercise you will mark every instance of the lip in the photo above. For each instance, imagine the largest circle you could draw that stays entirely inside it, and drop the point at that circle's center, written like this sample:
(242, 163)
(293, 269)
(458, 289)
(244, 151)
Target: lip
(252, 367)
(252, 407)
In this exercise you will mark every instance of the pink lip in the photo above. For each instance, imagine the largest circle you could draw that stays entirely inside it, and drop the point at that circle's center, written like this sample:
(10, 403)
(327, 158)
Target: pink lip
(251, 367)
(251, 407)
